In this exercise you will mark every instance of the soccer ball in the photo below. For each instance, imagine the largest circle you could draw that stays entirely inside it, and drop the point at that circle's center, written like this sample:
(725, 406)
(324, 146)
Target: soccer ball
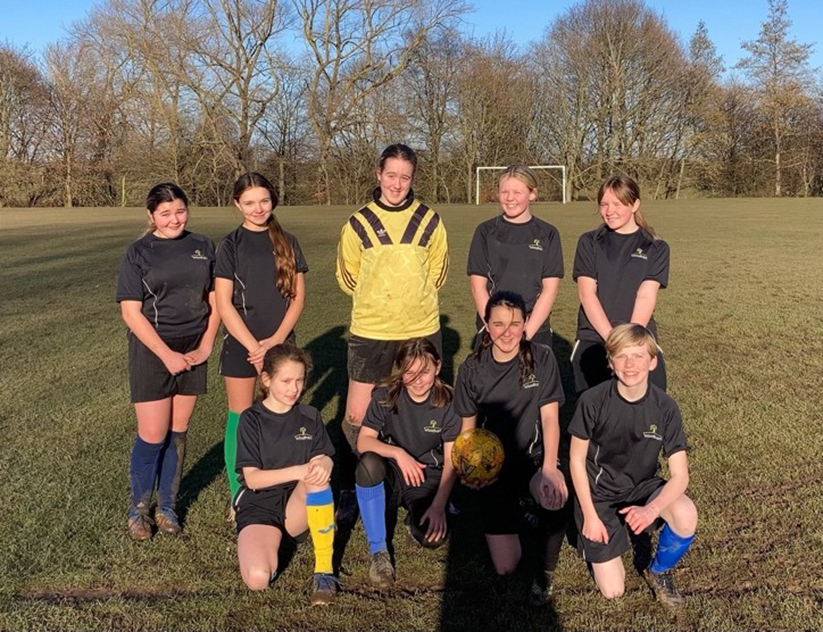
(477, 456)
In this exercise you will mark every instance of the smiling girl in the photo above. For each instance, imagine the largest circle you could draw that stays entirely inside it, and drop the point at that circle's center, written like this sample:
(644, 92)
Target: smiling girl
(392, 260)
(619, 268)
(167, 300)
(405, 455)
(284, 465)
(512, 388)
(261, 291)
(517, 252)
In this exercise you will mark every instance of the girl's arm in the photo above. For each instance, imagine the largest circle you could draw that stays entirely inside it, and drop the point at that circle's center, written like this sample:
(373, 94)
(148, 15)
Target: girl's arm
(203, 351)
(638, 518)
(223, 290)
(543, 306)
(291, 316)
(255, 478)
(132, 313)
(469, 423)
(593, 527)
(435, 515)
(553, 490)
(587, 292)
(645, 301)
(411, 469)
(479, 293)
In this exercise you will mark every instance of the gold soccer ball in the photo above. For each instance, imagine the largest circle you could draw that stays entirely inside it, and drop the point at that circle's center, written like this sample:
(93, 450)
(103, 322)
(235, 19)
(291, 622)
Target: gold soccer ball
(477, 456)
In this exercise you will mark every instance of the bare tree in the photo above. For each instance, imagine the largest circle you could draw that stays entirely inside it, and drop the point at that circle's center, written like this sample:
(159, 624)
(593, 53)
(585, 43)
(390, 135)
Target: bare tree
(356, 47)
(779, 67)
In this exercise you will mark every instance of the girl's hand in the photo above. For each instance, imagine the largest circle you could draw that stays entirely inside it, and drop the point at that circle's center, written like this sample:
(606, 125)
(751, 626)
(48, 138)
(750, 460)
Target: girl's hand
(412, 470)
(553, 492)
(198, 356)
(638, 518)
(319, 470)
(595, 530)
(256, 355)
(176, 362)
(436, 517)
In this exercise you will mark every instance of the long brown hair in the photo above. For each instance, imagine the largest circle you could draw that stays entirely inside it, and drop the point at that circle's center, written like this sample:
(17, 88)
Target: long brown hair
(284, 257)
(414, 349)
(627, 191)
(525, 355)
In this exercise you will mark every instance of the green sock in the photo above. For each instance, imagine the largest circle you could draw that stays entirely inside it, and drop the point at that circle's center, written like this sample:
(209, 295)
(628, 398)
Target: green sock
(230, 451)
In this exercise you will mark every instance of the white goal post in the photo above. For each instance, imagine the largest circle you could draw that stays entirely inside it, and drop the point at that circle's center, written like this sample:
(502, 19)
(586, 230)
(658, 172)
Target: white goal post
(479, 169)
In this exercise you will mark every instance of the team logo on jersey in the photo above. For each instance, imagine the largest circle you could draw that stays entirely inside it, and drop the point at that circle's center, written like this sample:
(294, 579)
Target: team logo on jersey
(535, 245)
(303, 435)
(199, 255)
(432, 427)
(639, 254)
(652, 433)
(531, 382)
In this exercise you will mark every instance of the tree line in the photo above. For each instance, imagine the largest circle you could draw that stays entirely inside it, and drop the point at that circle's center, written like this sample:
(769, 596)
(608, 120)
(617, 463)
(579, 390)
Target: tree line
(309, 91)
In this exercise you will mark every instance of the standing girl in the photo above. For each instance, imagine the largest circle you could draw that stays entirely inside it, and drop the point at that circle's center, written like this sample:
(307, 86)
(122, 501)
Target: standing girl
(284, 464)
(405, 443)
(261, 291)
(512, 388)
(618, 267)
(517, 252)
(167, 302)
(392, 260)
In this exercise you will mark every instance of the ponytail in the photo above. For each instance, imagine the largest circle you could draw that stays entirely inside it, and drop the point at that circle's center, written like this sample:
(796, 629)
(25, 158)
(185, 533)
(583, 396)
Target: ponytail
(627, 191)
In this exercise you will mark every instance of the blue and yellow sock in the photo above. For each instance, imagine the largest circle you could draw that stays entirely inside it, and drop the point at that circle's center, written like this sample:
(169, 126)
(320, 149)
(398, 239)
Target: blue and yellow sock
(372, 501)
(320, 514)
(230, 452)
(670, 548)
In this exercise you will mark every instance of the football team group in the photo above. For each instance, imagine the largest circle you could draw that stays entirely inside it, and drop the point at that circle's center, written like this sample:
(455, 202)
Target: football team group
(604, 493)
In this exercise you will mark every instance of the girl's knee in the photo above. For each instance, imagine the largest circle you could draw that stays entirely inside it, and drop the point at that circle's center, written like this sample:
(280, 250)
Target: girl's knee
(684, 516)
(371, 470)
(257, 578)
(613, 590)
(505, 567)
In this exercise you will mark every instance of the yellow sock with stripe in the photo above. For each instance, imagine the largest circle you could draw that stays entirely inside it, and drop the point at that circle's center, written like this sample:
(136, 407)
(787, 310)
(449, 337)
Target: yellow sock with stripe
(320, 513)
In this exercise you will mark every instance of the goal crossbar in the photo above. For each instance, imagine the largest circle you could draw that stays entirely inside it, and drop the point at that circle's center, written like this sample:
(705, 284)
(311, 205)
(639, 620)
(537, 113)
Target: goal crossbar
(479, 169)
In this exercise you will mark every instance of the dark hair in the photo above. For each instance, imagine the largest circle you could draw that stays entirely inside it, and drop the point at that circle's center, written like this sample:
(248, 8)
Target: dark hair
(414, 349)
(401, 151)
(163, 192)
(525, 355)
(279, 354)
(627, 191)
(284, 256)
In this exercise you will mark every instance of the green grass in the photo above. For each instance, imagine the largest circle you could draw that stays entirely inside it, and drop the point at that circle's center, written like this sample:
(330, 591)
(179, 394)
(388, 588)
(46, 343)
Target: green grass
(742, 326)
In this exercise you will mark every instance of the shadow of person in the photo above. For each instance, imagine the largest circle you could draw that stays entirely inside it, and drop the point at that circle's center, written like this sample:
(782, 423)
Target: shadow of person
(209, 467)
(451, 345)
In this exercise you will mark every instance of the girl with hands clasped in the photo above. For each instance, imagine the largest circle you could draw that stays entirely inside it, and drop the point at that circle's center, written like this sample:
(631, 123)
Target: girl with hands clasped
(405, 455)
(166, 299)
(619, 268)
(284, 465)
(260, 292)
(512, 388)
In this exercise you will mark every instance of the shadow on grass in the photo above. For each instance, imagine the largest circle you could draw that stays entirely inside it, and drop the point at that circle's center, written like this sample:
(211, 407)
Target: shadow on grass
(474, 596)
(209, 467)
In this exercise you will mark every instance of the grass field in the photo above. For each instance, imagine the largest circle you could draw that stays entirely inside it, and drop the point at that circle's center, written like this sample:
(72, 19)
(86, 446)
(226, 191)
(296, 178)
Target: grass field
(742, 326)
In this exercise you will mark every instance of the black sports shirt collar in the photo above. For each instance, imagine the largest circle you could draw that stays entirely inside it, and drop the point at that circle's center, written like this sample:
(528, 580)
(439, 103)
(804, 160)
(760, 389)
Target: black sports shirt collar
(406, 204)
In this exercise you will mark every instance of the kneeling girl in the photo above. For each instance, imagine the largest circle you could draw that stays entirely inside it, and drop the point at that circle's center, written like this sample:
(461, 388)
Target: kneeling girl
(284, 464)
(405, 454)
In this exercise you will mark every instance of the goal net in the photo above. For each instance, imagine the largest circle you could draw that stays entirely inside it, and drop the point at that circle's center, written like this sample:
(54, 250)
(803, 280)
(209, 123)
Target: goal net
(551, 183)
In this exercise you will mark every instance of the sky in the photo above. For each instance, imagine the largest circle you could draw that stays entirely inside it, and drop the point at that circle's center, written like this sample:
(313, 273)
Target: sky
(35, 23)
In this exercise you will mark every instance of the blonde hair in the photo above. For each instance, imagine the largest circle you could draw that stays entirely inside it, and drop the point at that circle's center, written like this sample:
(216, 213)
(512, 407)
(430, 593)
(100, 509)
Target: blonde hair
(627, 191)
(630, 335)
(519, 172)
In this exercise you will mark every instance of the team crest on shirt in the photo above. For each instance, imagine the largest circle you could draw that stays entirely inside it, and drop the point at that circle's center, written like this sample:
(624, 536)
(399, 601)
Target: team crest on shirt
(199, 255)
(303, 435)
(432, 427)
(531, 382)
(639, 254)
(535, 245)
(651, 433)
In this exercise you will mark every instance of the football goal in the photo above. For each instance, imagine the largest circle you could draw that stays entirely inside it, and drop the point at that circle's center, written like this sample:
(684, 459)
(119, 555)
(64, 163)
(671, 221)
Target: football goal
(553, 181)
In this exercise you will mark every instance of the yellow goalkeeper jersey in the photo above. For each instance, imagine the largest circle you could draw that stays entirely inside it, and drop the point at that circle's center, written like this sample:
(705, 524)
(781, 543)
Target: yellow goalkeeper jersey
(393, 261)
